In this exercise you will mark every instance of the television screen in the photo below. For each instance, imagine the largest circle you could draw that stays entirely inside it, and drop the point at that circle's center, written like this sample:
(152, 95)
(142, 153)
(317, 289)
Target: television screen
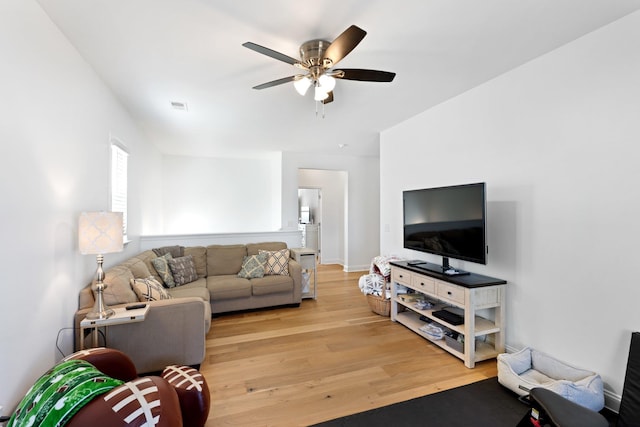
(447, 221)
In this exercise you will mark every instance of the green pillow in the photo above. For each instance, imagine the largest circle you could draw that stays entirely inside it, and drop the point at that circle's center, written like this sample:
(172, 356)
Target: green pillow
(253, 266)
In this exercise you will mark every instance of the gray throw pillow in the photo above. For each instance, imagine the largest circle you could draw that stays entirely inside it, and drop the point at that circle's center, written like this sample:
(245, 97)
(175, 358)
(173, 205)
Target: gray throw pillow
(253, 266)
(183, 269)
(161, 264)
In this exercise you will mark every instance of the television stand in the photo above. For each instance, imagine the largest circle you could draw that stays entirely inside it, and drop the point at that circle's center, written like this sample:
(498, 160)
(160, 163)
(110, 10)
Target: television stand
(480, 298)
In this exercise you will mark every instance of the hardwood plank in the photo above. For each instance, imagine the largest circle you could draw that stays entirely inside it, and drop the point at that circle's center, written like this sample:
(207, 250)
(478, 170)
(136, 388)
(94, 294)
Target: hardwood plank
(328, 358)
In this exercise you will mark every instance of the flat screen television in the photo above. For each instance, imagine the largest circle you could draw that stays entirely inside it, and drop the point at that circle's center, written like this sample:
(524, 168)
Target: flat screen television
(446, 221)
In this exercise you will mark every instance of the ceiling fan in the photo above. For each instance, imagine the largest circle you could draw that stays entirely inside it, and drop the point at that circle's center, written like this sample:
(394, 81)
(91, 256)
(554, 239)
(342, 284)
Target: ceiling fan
(317, 61)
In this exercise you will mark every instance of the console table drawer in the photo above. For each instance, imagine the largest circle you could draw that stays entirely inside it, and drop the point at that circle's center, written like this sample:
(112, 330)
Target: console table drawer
(451, 292)
(423, 284)
(401, 276)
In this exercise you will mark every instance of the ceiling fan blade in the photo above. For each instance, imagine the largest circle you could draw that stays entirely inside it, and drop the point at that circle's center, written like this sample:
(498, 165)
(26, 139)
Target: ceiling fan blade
(276, 82)
(344, 44)
(364, 75)
(271, 53)
(328, 99)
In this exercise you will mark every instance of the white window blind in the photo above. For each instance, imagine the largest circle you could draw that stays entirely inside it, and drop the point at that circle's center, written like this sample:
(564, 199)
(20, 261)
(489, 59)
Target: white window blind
(119, 158)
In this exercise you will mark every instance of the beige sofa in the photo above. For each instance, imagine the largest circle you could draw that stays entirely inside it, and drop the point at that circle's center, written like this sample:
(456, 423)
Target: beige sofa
(174, 329)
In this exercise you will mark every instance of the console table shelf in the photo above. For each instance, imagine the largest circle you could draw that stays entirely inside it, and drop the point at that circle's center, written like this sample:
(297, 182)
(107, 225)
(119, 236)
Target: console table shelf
(483, 351)
(483, 326)
(484, 338)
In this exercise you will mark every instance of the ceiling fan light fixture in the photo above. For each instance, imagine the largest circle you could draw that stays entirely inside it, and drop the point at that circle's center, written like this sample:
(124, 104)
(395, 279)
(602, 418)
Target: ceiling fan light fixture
(302, 85)
(320, 94)
(327, 83)
(318, 58)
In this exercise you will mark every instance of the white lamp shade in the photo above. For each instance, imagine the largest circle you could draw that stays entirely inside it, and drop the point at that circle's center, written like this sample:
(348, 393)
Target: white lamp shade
(327, 83)
(100, 232)
(302, 85)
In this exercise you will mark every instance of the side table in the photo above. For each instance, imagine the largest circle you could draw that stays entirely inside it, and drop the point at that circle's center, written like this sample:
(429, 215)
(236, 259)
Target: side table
(121, 316)
(306, 257)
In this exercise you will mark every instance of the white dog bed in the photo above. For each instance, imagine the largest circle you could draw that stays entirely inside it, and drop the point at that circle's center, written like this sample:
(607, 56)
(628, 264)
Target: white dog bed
(528, 368)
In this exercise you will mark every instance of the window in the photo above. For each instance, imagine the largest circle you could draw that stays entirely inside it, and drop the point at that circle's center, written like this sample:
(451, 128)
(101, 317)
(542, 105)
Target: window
(119, 159)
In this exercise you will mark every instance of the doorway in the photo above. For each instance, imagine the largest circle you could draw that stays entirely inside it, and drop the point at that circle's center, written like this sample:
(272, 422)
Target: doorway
(310, 218)
(331, 187)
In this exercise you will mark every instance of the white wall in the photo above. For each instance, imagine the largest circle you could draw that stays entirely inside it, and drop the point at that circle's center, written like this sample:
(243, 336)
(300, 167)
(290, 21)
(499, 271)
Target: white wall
(231, 195)
(220, 195)
(56, 118)
(363, 204)
(557, 141)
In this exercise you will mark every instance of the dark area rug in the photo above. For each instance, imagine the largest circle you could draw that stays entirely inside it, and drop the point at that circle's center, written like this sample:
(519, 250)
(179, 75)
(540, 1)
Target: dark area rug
(484, 403)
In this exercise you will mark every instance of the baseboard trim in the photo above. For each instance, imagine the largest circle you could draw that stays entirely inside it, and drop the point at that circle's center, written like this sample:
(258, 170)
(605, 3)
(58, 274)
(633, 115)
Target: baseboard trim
(612, 401)
(352, 268)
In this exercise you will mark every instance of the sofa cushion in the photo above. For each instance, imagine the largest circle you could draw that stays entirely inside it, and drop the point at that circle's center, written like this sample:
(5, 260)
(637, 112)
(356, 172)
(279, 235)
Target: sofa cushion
(254, 248)
(176, 251)
(183, 270)
(138, 268)
(271, 285)
(228, 287)
(118, 290)
(253, 266)
(277, 262)
(199, 254)
(161, 265)
(149, 289)
(147, 257)
(225, 259)
(197, 288)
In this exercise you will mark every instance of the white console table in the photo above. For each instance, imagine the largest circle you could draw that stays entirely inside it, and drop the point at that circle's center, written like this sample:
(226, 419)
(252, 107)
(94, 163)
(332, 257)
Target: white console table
(306, 257)
(484, 337)
(121, 316)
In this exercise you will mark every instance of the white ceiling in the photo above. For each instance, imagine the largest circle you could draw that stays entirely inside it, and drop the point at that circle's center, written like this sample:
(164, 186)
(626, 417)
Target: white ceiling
(153, 52)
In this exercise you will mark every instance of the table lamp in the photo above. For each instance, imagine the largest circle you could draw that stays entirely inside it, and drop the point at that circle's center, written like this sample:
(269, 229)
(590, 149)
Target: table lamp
(100, 233)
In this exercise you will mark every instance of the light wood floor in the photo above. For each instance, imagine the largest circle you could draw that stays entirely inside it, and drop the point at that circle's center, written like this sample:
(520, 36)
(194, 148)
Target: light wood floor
(331, 357)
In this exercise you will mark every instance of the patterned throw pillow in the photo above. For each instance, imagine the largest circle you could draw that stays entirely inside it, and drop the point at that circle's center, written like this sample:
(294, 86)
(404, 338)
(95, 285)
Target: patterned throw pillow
(149, 289)
(183, 269)
(161, 264)
(253, 266)
(277, 262)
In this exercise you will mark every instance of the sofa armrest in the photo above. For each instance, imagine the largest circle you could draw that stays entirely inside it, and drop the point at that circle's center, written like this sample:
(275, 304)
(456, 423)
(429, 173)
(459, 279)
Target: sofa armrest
(295, 271)
(173, 332)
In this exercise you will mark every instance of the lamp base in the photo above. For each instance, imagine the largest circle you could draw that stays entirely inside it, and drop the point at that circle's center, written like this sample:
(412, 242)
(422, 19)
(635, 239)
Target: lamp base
(98, 315)
(100, 309)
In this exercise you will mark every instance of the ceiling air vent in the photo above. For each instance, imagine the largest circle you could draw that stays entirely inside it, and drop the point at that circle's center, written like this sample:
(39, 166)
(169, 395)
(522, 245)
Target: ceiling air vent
(176, 105)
